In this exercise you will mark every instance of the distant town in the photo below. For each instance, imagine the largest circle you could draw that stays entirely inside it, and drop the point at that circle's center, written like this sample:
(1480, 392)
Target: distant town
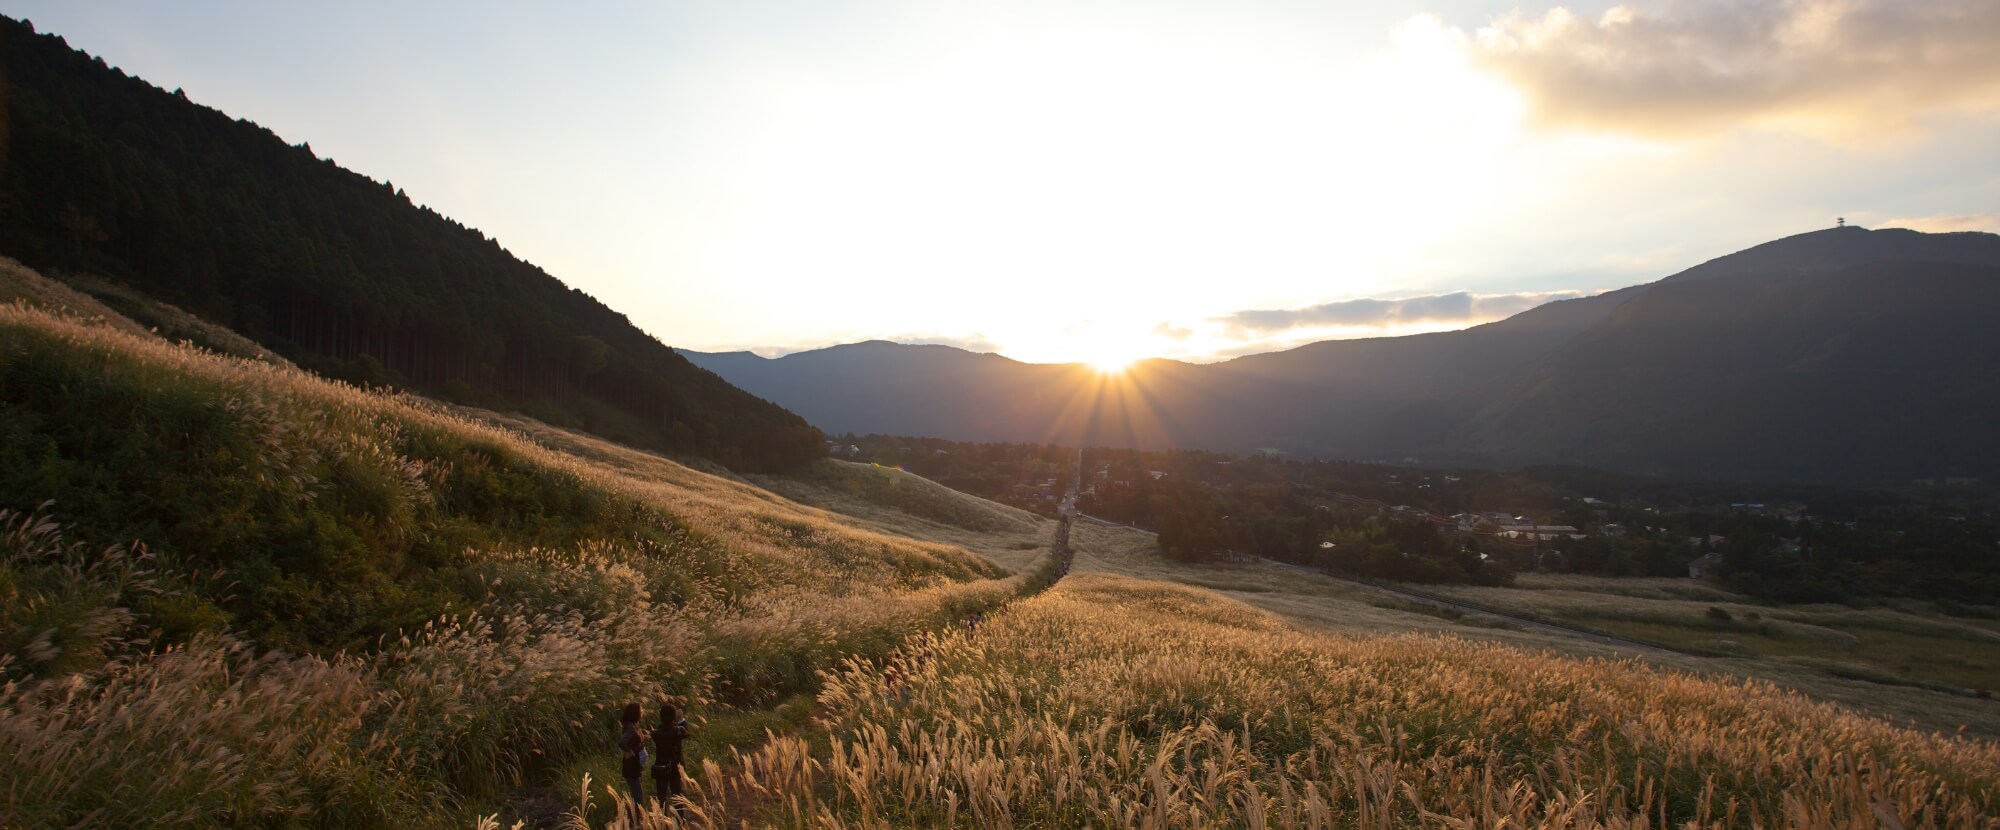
(1930, 539)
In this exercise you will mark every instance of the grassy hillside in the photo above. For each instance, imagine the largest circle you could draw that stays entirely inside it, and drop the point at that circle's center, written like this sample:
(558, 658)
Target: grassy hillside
(357, 609)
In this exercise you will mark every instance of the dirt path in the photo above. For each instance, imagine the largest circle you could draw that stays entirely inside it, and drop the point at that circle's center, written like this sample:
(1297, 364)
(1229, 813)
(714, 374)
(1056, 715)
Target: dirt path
(743, 805)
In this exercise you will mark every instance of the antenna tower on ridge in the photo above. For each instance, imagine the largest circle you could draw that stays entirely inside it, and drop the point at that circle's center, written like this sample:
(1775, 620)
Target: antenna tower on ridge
(1840, 222)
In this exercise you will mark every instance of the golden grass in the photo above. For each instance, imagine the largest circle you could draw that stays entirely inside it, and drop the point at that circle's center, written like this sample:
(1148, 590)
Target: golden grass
(19, 283)
(1911, 667)
(1110, 702)
(1348, 608)
(475, 704)
(772, 539)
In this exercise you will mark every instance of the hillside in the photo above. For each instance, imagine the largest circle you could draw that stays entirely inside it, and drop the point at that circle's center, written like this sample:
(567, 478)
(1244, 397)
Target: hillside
(376, 611)
(104, 175)
(362, 609)
(1720, 354)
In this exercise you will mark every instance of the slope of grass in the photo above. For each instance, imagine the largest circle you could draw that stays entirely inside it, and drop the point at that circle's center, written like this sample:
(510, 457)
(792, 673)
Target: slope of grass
(19, 283)
(909, 494)
(1111, 702)
(357, 609)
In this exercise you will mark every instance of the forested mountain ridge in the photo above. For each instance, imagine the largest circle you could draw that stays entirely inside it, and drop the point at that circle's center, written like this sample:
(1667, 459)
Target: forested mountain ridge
(1880, 371)
(1843, 355)
(105, 174)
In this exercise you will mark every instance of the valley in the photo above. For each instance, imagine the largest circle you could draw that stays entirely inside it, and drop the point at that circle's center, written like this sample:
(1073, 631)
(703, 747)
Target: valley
(320, 509)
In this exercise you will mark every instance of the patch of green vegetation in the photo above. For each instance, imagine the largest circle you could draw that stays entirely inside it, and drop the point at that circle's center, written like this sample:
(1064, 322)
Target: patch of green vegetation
(1875, 654)
(1871, 674)
(334, 527)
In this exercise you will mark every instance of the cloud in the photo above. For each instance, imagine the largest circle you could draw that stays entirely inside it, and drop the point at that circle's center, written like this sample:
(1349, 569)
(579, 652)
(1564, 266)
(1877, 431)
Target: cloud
(1458, 307)
(1836, 68)
(1172, 332)
(970, 343)
(1989, 222)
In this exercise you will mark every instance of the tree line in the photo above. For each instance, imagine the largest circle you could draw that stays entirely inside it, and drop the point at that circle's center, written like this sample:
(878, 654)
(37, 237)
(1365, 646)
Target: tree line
(104, 174)
(1779, 542)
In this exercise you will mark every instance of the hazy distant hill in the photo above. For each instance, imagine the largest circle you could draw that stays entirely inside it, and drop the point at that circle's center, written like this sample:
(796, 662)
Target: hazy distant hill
(879, 386)
(1841, 355)
(104, 174)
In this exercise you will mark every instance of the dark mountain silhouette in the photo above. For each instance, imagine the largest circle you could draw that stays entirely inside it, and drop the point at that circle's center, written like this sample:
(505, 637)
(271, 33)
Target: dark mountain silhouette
(1839, 355)
(1884, 370)
(105, 174)
(887, 387)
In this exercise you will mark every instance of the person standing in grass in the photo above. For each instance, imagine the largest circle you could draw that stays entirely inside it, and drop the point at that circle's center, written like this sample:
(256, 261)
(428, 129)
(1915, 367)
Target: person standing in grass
(667, 739)
(632, 747)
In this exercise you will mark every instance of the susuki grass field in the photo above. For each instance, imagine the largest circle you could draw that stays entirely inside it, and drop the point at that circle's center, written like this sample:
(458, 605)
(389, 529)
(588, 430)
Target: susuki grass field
(356, 609)
(1111, 702)
(218, 679)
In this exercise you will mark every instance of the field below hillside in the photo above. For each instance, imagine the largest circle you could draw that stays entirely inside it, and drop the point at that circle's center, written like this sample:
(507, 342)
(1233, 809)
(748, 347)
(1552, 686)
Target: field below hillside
(1912, 667)
(1117, 702)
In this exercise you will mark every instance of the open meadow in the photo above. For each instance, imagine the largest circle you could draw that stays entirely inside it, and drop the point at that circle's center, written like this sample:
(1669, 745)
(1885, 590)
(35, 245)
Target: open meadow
(358, 609)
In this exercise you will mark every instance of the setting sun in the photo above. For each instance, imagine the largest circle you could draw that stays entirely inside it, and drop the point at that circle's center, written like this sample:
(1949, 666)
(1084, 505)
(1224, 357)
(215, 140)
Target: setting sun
(1111, 356)
(1110, 365)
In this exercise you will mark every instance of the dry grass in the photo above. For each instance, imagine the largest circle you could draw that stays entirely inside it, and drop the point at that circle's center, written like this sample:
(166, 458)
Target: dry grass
(19, 283)
(909, 505)
(1914, 668)
(1117, 703)
(1812, 664)
(1108, 702)
(472, 705)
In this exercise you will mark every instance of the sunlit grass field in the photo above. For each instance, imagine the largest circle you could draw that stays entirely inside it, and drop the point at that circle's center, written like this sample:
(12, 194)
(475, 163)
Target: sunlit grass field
(1113, 702)
(522, 593)
(357, 609)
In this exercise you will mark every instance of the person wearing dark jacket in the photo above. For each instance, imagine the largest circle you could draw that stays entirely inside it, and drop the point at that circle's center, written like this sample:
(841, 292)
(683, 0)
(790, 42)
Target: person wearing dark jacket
(632, 749)
(667, 740)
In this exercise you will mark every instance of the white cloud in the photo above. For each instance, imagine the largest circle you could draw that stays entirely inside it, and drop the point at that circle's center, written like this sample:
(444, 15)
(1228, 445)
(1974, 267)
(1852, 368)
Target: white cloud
(1989, 222)
(1839, 69)
(971, 343)
(1457, 308)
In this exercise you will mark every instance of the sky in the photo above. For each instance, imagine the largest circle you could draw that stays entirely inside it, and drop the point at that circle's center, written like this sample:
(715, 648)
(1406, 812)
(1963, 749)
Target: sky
(1105, 181)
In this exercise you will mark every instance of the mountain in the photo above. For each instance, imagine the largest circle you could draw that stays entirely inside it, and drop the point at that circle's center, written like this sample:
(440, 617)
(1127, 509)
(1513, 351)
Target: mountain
(1878, 371)
(879, 386)
(1842, 355)
(105, 175)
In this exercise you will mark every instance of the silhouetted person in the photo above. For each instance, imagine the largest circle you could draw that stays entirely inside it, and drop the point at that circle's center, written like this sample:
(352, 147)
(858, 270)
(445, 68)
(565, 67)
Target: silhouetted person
(667, 740)
(892, 681)
(632, 747)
